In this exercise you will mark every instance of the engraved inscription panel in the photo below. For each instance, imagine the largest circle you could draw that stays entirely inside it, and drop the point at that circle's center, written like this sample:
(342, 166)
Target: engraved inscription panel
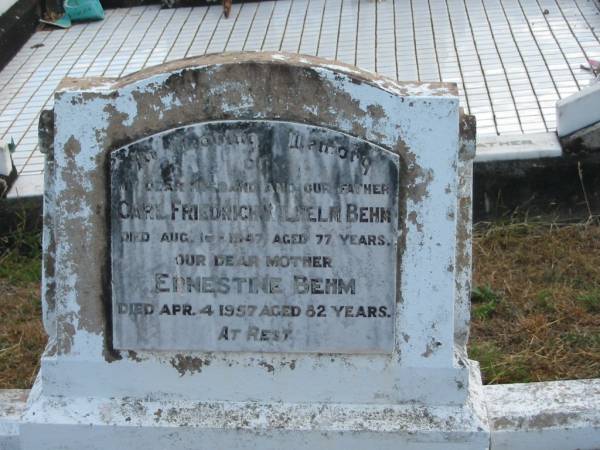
(254, 236)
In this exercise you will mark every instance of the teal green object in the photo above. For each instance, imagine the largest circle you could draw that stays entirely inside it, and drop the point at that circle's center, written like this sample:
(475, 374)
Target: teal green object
(61, 22)
(79, 10)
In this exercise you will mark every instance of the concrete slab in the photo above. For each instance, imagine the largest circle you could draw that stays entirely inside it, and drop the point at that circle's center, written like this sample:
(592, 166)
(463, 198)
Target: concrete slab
(558, 415)
(12, 405)
(578, 111)
(510, 147)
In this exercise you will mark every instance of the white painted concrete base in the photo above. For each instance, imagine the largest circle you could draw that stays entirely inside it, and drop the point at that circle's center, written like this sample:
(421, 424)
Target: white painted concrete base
(560, 415)
(578, 111)
(511, 147)
(175, 424)
(12, 405)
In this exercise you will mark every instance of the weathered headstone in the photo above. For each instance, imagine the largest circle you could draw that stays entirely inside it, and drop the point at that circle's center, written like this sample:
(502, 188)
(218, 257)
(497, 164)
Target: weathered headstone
(256, 250)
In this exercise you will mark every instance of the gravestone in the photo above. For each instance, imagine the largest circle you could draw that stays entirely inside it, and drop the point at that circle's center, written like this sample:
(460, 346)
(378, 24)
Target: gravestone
(256, 250)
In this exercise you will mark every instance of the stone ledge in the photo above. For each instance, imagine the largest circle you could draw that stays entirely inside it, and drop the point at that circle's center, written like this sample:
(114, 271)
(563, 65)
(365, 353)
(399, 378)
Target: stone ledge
(578, 111)
(175, 424)
(12, 406)
(514, 147)
(558, 415)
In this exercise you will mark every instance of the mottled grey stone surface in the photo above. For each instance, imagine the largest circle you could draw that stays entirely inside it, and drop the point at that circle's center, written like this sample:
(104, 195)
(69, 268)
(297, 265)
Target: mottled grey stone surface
(254, 235)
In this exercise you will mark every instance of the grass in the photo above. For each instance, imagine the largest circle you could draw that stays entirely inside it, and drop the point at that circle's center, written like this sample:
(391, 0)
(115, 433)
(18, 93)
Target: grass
(484, 302)
(535, 303)
(22, 337)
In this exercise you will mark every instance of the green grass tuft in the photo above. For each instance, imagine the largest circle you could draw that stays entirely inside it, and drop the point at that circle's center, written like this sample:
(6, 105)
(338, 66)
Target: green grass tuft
(590, 300)
(495, 366)
(21, 253)
(485, 301)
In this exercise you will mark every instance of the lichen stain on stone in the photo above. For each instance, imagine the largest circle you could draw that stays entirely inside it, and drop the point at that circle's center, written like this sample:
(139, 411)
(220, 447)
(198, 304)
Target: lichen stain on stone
(72, 147)
(377, 112)
(266, 365)
(431, 347)
(551, 420)
(114, 114)
(49, 267)
(188, 364)
(69, 83)
(273, 89)
(358, 129)
(403, 150)
(134, 356)
(537, 422)
(116, 123)
(420, 181)
(84, 251)
(75, 180)
(291, 364)
(413, 218)
(66, 337)
(76, 100)
(463, 235)
(504, 423)
(417, 180)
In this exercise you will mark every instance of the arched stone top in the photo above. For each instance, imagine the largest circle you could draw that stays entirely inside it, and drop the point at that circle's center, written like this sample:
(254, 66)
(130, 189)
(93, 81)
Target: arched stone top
(273, 86)
(293, 60)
